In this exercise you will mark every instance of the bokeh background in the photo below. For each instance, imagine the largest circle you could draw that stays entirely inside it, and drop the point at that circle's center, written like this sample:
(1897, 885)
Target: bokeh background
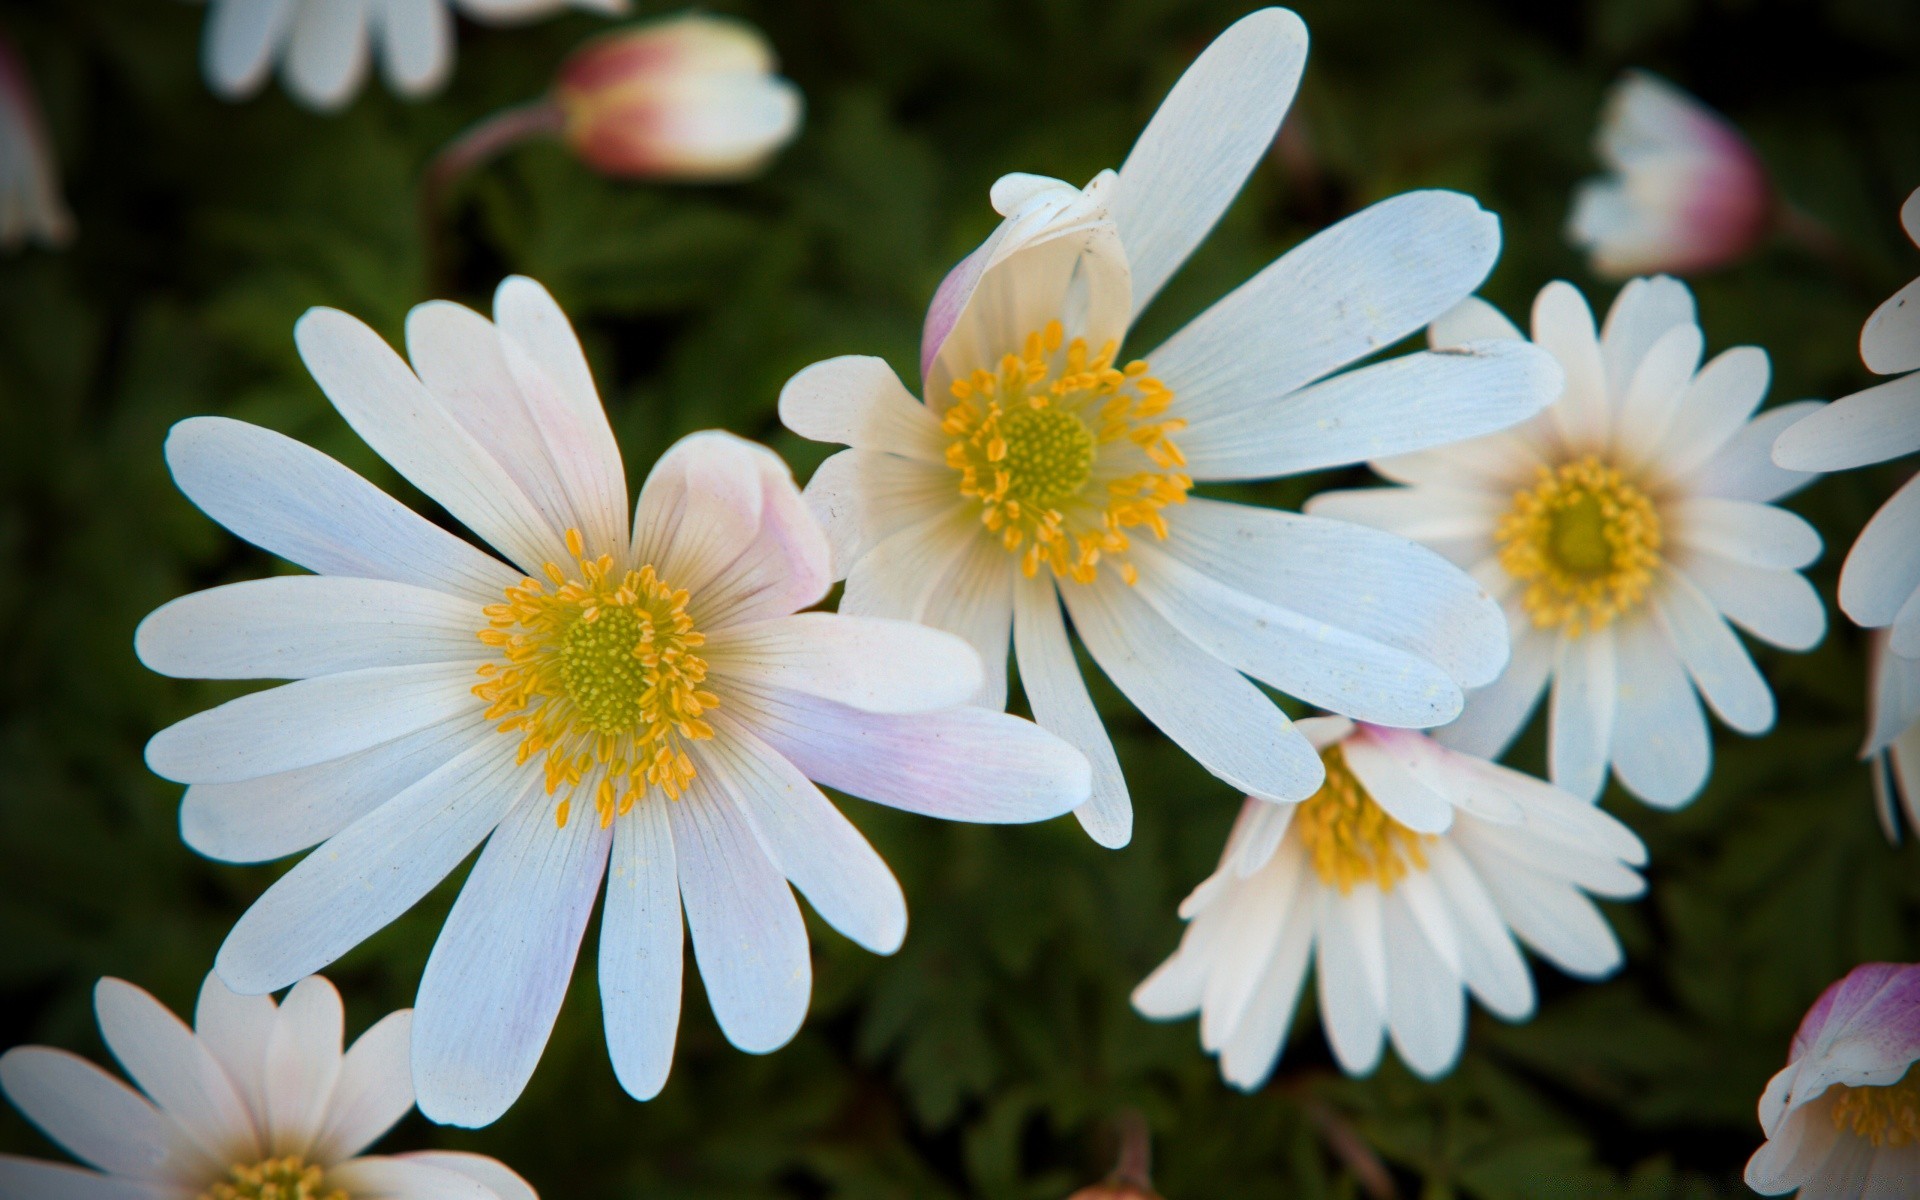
(988, 1057)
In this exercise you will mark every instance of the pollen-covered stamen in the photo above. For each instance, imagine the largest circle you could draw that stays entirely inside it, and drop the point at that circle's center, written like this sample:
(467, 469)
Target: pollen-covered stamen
(1885, 1116)
(289, 1178)
(1585, 541)
(599, 677)
(1349, 838)
(1066, 452)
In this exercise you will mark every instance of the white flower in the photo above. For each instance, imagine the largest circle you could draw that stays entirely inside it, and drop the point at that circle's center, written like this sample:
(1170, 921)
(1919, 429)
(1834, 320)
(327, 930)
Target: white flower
(1622, 529)
(1405, 878)
(30, 205)
(1893, 738)
(642, 702)
(1880, 583)
(256, 1100)
(1687, 194)
(323, 47)
(1044, 467)
(1842, 1119)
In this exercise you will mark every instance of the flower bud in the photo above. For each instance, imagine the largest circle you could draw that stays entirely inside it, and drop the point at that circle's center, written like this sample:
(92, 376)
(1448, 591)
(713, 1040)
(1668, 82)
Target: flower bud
(30, 203)
(1687, 193)
(695, 97)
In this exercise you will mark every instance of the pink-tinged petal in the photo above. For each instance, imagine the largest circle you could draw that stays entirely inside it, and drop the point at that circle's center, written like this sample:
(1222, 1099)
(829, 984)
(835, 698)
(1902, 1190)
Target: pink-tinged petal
(641, 951)
(494, 982)
(490, 1173)
(374, 1089)
(30, 1179)
(963, 764)
(858, 401)
(1863, 1030)
(869, 663)
(1051, 678)
(302, 1065)
(89, 1113)
(406, 1177)
(176, 1071)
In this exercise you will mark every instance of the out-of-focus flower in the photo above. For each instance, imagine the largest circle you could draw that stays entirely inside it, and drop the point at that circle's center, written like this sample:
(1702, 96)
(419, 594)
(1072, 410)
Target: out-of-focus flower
(1043, 466)
(1405, 879)
(1893, 738)
(1880, 582)
(691, 98)
(30, 205)
(323, 47)
(638, 698)
(1687, 194)
(1622, 529)
(256, 1100)
(1842, 1118)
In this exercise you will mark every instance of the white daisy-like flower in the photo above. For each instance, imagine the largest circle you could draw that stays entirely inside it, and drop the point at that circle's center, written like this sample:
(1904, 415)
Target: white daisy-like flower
(641, 702)
(1687, 193)
(1043, 466)
(324, 47)
(255, 1102)
(1892, 749)
(1622, 529)
(1842, 1119)
(1880, 582)
(31, 207)
(1405, 880)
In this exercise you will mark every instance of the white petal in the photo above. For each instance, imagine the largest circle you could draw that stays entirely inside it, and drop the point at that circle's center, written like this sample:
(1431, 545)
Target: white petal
(1351, 970)
(1581, 713)
(870, 663)
(1498, 464)
(374, 870)
(1554, 918)
(1890, 340)
(292, 627)
(1393, 267)
(1367, 582)
(1713, 410)
(858, 401)
(272, 816)
(1461, 781)
(1249, 1056)
(293, 501)
(1869, 426)
(1563, 326)
(863, 497)
(1399, 406)
(1204, 140)
(1175, 987)
(1719, 664)
(89, 1113)
(1654, 393)
(237, 1029)
(1661, 750)
(1882, 570)
(1555, 851)
(393, 412)
(374, 1089)
(1454, 521)
(974, 600)
(310, 721)
(416, 45)
(808, 840)
(1643, 312)
(1775, 606)
(1254, 912)
(489, 1173)
(302, 1065)
(1490, 962)
(1426, 1005)
(494, 982)
(1471, 320)
(405, 1178)
(242, 37)
(641, 949)
(898, 576)
(1256, 835)
(963, 764)
(748, 938)
(546, 351)
(1744, 468)
(1405, 797)
(1761, 535)
(1051, 678)
(27, 1179)
(1495, 714)
(175, 1069)
(787, 566)
(1209, 709)
(327, 53)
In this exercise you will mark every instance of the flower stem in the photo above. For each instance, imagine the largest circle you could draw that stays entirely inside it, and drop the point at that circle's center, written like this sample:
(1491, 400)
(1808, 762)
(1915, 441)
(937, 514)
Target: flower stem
(480, 144)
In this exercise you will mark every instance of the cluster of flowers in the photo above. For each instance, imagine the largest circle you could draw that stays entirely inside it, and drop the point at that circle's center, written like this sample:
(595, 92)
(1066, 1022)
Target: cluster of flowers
(648, 705)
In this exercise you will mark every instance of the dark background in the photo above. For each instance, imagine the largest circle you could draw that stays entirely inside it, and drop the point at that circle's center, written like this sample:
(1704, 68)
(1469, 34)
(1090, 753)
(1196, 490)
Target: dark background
(989, 1056)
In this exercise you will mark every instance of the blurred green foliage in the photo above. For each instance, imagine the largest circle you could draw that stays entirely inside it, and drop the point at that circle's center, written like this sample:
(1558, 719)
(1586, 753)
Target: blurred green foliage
(988, 1056)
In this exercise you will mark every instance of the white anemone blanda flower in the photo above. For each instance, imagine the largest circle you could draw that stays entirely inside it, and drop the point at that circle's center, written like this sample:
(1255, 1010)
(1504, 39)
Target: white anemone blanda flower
(641, 702)
(1842, 1118)
(1404, 879)
(1043, 466)
(256, 1100)
(1622, 529)
(324, 47)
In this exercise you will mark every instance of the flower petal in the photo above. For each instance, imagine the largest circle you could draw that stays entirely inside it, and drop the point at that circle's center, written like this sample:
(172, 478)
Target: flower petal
(1660, 381)
(1870, 426)
(405, 1178)
(494, 982)
(1563, 326)
(1426, 1005)
(863, 497)
(1490, 962)
(92, 1115)
(237, 1029)
(1719, 664)
(327, 53)
(1760, 535)
(1050, 677)
(1890, 340)
(1554, 918)
(871, 663)
(1471, 320)
(30, 1179)
(1644, 312)
(1661, 750)
(1882, 570)
(1249, 1056)
(242, 37)
(641, 950)
(491, 1174)
(416, 45)
(1780, 607)
(857, 400)
(1581, 712)
(1495, 714)
(302, 1065)
(1404, 796)
(1744, 469)
(373, 1091)
(176, 1071)
(1714, 409)
(1351, 969)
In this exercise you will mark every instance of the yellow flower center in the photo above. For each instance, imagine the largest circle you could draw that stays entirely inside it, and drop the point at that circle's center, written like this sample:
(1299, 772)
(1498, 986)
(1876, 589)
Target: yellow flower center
(1885, 1116)
(289, 1178)
(1350, 838)
(600, 677)
(1585, 541)
(1064, 452)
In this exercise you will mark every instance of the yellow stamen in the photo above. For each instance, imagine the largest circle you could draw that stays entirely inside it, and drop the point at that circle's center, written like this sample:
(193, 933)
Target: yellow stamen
(1885, 1116)
(599, 676)
(1350, 838)
(1585, 541)
(289, 1178)
(1064, 453)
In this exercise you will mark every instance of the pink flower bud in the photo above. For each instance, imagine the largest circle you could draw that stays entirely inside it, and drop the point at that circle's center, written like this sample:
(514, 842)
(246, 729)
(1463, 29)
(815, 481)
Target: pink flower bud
(694, 97)
(1687, 193)
(30, 203)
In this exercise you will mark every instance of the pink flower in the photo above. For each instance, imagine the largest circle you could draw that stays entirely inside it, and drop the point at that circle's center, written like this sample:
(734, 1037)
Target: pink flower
(1843, 1117)
(1687, 192)
(30, 203)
